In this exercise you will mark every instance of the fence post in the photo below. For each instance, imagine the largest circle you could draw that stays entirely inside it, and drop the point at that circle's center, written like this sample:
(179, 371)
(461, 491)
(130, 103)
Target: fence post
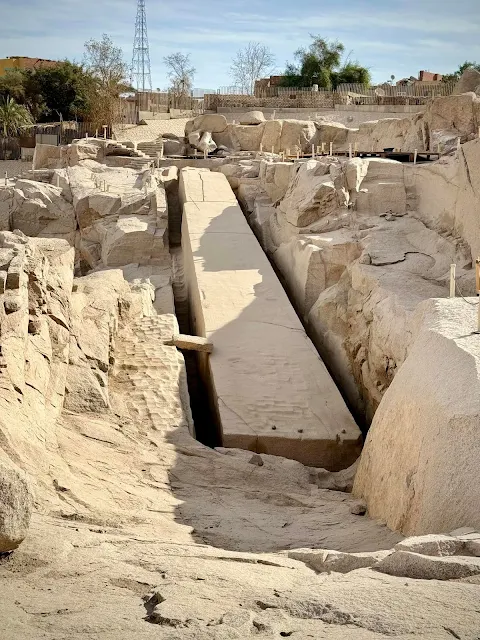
(452, 280)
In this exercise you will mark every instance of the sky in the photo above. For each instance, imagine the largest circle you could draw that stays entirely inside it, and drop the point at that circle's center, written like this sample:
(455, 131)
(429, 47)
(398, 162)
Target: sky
(389, 37)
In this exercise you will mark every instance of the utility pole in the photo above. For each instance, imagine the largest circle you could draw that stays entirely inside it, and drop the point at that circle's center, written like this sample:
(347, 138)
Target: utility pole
(140, 77)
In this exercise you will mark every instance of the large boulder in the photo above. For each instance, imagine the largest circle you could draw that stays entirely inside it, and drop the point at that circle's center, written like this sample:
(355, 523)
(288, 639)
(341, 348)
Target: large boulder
(174, 146)
(241, 172)
(252, 117)
(85, 150)
(246, 137)
(272, 134)
(39, 209)
(469, 81)
(331, 132)
(16, 503)
(311, 195)
(419, 469)
(46, 156)
(406, 134)
(379, 184)
(297, 135)
(214, 122)
(457, 113)
(275, 178)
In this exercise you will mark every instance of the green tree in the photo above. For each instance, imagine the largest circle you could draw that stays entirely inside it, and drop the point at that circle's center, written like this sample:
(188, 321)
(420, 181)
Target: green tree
(12, 85)
(351, 72)
(14, 117)
(58, 93)
(321, 64)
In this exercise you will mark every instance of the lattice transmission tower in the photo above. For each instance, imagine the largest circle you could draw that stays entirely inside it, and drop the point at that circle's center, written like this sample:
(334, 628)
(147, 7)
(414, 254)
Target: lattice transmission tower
(141, 77)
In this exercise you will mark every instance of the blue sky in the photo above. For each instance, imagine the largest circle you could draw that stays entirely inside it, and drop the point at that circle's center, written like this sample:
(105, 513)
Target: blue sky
(389, 37)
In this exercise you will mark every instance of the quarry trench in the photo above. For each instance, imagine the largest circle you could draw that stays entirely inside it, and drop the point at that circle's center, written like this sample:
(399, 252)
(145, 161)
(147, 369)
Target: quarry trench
(200, 381)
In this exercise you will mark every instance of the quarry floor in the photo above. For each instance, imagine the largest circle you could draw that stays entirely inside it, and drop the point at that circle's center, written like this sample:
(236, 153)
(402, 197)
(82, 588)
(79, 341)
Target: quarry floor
(210, 556)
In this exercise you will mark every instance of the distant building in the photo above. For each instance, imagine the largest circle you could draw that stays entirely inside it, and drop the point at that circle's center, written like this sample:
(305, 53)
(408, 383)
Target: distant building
(266, 83)
(427, 76)
(22, 62)
(423, 76)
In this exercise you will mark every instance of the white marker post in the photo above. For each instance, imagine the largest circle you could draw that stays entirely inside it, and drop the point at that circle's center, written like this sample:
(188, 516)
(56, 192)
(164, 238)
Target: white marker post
(274, 113)
(477, 280)
(331, 148)
(323, 148)
(350, 150)
(459, 145)
(261, 147)
(453, 268)
(415, 154)
(273, 150)
(298, 153)
(161, 152)
(105, 127)
(313, 152)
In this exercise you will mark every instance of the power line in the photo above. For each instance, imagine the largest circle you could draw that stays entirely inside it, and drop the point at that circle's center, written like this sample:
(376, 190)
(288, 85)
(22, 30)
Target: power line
(141, 77)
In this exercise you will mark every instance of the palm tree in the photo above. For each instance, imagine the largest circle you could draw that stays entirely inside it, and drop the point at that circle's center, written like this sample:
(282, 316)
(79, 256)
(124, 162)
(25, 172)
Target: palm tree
(14, 117)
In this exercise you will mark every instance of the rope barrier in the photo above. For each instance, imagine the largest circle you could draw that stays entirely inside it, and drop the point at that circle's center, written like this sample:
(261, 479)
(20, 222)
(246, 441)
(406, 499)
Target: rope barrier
(457, 289)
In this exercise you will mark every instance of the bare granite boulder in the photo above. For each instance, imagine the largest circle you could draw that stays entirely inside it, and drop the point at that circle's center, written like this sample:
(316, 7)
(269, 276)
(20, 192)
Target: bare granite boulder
(15, 506)
(252, 117)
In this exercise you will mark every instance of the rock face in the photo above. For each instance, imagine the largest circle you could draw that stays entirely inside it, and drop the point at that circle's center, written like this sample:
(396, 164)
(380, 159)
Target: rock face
(363, 245)
(470, 81)
(15, 506)
(445, 196)
(215, 123)
(447, 409)
(117, 228)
